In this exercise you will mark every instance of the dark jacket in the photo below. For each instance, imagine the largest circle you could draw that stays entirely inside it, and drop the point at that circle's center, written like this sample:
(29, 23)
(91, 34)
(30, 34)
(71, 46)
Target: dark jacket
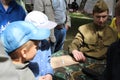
(14, 13)
(112, 71)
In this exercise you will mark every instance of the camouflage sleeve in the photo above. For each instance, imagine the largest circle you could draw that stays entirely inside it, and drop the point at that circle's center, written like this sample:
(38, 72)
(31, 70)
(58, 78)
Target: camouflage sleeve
(76, 43)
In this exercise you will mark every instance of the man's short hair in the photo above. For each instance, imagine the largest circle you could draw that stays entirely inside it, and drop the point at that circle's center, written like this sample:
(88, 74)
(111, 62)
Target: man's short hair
(100, 6)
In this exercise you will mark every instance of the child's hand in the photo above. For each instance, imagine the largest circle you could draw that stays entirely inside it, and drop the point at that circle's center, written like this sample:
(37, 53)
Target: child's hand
(42, 78)
(48, 77)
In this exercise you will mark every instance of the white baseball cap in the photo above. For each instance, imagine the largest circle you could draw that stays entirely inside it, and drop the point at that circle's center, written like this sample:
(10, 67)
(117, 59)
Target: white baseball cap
(39, 19)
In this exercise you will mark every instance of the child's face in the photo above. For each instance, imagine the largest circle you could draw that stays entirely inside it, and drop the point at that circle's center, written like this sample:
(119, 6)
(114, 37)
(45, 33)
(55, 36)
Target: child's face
(32, 52)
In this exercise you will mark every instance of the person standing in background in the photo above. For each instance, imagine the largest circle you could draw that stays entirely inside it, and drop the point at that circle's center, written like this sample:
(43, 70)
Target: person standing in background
(46, 7)
(56, 10)
(62, 19)
(10, 11)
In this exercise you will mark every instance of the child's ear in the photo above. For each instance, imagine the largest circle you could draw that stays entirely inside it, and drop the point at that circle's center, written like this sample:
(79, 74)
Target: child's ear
(23, 52)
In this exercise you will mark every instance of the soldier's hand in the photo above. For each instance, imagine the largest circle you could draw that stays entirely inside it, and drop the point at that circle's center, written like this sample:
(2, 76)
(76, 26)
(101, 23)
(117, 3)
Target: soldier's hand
(79, 56)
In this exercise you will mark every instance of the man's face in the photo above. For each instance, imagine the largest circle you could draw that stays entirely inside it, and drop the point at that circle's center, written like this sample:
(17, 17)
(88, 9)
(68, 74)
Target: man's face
(100, 18)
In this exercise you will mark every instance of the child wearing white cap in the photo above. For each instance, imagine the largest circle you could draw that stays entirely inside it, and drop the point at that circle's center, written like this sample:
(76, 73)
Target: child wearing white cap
(40, 65)
(20, 40)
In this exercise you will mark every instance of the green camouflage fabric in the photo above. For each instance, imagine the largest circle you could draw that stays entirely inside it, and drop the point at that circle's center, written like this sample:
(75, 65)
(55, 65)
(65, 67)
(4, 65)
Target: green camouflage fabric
(73, 72)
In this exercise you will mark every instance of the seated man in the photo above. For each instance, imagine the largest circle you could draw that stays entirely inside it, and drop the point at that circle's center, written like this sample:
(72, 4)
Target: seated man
(93, 39)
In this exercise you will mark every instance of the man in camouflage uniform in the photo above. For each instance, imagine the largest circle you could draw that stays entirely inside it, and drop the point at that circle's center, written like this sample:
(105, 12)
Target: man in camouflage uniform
(93, 39)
